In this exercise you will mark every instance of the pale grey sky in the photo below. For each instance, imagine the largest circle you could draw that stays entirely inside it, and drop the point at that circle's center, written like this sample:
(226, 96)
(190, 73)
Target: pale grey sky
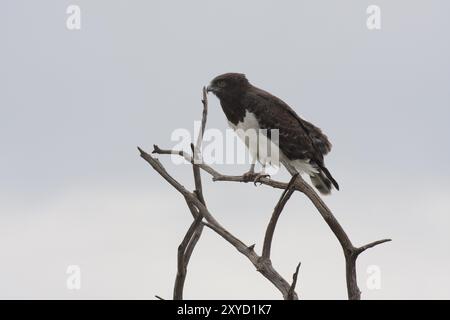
(75, 104)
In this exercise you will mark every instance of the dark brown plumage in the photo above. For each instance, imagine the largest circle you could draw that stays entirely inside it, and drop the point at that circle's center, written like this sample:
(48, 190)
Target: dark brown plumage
(298, 138)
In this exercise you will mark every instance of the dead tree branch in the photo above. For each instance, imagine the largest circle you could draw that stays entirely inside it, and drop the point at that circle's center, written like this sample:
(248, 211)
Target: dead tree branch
(183, 258)
(195, 230)
(197, 205)
(262, 263)
(351, 252)
(294, 283)
(276, 214)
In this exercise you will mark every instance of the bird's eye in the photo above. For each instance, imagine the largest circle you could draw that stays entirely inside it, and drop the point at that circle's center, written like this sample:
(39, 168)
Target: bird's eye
(221, 84)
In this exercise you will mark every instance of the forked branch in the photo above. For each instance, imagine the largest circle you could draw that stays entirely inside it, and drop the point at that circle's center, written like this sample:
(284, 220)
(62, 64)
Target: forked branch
(264, 266)
(197, 206)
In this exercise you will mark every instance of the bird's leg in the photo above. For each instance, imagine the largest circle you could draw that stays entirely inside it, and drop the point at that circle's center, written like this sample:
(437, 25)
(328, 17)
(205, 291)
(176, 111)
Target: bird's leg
(250, 174)
(259, 176)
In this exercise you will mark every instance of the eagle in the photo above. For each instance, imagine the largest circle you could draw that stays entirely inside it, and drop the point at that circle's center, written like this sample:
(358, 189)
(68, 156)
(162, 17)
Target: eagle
(301, 145)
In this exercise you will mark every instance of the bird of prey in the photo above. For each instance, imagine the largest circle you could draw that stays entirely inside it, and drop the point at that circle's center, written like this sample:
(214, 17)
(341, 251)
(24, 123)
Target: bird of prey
(301, 145)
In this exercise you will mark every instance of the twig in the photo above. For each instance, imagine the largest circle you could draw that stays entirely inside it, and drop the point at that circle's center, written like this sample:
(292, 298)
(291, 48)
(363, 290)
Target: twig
(294, 283)
(371, 245)
(204, 118)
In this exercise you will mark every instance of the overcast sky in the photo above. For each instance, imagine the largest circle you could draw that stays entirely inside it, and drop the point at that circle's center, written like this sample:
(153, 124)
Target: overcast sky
(75, 104)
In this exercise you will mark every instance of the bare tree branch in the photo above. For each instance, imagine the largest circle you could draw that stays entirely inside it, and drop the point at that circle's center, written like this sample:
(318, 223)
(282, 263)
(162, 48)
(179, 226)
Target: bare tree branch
(197, 177)
(197, 206)
(287, 193)
(294, 283)
(264, 266)
(350, 252)
(196, 236)
(262, 263)
(204, 118)
(193, 242)
(182, 262)
(371, 245)
(156, 164)
(195, 230)
(188, 158)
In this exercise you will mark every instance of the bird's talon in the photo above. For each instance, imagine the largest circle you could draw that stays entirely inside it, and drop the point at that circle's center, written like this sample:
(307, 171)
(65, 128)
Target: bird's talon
(259, 177)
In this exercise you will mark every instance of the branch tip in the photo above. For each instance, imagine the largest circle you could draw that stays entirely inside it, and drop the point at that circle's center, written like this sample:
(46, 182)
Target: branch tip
(156, 149)
(371, 245)
(294, 283)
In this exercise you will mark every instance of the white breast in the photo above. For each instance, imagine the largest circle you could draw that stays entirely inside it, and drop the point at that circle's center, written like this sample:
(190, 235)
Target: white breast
(260, 148)
(265, 150)
(249, 122)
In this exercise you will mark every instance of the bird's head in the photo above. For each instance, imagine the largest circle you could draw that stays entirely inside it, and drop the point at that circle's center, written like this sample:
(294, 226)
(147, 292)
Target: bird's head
(228, 84)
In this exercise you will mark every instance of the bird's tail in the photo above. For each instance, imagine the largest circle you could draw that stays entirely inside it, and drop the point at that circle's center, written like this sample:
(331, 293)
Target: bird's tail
(323, 181)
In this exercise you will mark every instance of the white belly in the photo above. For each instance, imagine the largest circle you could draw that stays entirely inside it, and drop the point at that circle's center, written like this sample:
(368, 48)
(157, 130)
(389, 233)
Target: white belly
(265, 150)
(261, 148)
